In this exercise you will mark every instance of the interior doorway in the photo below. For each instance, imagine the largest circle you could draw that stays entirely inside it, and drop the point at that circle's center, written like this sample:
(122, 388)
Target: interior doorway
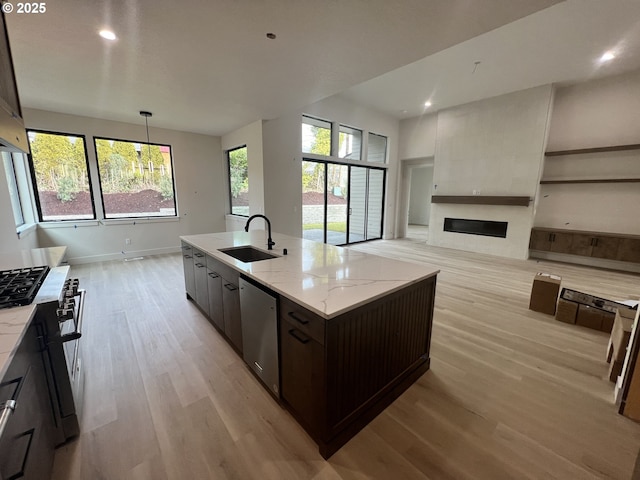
(414, 205)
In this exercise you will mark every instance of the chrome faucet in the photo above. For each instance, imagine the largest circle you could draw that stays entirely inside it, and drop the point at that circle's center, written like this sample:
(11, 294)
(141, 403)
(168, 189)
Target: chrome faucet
(270, 242)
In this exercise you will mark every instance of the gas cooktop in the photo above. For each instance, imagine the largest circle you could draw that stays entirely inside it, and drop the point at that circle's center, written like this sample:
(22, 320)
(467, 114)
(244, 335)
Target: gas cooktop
(20, 286)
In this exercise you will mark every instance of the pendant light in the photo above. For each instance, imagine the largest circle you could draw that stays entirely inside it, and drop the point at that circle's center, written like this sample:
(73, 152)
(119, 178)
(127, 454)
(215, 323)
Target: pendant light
(146, 116)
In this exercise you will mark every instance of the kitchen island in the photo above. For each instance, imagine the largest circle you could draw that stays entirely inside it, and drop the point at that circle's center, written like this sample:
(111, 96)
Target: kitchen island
(354, 329)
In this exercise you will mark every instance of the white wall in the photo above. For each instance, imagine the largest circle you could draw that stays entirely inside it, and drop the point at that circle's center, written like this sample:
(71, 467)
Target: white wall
(494, 146)
(251, 136)
(420, 196)
(594, 114)
(200, 191)
(283, 159)
(597, 113)
(418, 137)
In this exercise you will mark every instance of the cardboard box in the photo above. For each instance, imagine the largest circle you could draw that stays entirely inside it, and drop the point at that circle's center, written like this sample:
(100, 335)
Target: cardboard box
(615, 369)
(566, 311)
(544, 293)
(607, 322)
(590, 317)
(621, 333)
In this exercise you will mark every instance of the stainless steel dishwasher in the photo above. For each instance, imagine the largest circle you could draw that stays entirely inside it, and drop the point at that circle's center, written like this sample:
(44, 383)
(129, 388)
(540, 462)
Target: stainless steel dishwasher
(259, 314)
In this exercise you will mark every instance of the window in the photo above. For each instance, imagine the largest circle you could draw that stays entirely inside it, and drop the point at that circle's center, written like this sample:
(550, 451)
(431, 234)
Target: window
(377, 152)
(349, 143)
(316, 136)
(238, 181)
(136, 179)
(12, 183)
(59, 169)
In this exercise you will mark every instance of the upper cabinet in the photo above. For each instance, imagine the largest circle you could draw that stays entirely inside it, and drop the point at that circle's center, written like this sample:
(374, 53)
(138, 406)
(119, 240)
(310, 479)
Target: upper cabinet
(13, 136)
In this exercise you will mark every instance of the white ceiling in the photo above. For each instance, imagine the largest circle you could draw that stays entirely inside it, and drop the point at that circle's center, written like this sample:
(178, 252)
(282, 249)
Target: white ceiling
(207, 66)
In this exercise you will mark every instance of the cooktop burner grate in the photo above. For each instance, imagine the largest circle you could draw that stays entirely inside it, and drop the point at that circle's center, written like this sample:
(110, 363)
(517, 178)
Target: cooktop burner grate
(20, 286)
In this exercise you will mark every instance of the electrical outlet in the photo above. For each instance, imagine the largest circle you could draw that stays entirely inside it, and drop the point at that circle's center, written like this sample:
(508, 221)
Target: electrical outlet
(127, 241)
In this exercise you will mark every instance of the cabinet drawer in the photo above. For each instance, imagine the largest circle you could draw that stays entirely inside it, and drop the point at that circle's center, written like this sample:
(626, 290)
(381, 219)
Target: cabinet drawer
(228, 273)
(299, 317)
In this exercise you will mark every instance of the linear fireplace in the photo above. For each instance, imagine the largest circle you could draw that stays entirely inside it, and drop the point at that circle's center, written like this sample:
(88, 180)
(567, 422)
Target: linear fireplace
(486, 228)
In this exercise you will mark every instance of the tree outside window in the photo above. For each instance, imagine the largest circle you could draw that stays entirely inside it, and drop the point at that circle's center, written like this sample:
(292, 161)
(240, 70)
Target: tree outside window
(59, 165)
(239, 181)
(136, 179)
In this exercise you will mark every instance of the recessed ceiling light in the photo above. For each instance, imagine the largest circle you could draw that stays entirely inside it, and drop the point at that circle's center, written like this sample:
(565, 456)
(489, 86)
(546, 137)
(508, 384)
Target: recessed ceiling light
(107, 34)
(607, 56)
(427, 104)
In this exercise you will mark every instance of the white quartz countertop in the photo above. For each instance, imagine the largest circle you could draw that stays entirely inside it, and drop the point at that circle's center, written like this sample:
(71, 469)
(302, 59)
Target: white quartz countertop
(326, 279)
(14, 321)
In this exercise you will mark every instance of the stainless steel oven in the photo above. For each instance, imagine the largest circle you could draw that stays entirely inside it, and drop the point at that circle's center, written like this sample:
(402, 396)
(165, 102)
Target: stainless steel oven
(62, 320)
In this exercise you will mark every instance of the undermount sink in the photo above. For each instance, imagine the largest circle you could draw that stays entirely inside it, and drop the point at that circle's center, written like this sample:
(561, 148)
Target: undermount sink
(247, 254)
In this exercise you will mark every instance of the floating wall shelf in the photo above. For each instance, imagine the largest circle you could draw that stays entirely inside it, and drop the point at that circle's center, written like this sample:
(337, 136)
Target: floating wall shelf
(613, 148)
(482, 200)
(594, 180)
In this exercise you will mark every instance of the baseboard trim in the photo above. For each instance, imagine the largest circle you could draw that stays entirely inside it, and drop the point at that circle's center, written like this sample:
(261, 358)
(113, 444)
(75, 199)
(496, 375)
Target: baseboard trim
(587, 261)
(123, 255)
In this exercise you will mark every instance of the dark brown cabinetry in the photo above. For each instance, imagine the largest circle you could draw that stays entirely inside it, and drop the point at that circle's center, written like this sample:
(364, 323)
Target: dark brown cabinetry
(302, 369)
(223, 298)
(214, 285)
(189, 273)
(200, 276)
(625, 248)
(26, 446)
(338, 374)
(13, 136)
(629, 250)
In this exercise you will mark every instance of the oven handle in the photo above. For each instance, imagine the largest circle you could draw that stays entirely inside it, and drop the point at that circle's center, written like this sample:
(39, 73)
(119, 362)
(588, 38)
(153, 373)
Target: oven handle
(82, 292)
(78, 323)
(7, 409)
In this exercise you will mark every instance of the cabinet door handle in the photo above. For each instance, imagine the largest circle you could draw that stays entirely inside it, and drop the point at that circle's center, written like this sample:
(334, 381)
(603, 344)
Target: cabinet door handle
(7, 409)
(185, 248)
(230, 286)
(301, 338)
(302, 321)
(199, 265)
(199, 255)
(214, 275)
(187, 256)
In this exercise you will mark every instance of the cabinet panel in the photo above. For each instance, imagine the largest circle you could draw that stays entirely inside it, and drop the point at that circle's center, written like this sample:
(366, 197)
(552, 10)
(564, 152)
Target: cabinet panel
(629, 250)
(307, 322)
(26, 447)
(540, 240)
(561, 242)
(189, 274)
(581, 244)
(605, 247)
(231, 307)
(200, 274)
(302, 375)
(214, 285)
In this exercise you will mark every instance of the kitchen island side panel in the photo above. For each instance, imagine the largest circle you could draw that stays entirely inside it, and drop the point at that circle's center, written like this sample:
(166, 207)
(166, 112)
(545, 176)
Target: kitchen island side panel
(373, 349)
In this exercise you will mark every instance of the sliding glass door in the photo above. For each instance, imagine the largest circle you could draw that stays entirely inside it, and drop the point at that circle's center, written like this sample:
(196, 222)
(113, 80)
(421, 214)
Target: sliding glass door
(341, 203)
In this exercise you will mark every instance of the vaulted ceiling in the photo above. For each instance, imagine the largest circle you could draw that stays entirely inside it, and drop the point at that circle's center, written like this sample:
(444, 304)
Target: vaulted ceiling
(208, 66)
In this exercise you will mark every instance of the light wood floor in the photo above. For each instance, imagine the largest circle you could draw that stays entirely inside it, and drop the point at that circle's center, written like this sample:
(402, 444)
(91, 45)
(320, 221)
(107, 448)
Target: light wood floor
(511, 393)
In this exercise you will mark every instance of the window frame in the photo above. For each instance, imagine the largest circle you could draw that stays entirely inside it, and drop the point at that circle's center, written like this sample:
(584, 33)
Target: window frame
(14, 189)
(34, 179)
(386, 148)
(332, 146)
(228, 154)
(127, 217)
(347, 127)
